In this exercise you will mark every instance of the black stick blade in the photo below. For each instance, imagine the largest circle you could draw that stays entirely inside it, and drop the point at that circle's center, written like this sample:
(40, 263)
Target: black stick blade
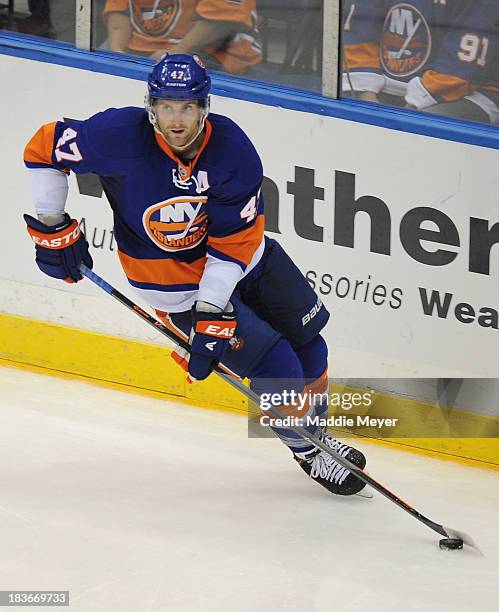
(454, 534)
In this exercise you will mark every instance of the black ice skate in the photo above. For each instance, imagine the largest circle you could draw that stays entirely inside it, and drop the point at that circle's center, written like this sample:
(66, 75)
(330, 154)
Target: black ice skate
(322, 468)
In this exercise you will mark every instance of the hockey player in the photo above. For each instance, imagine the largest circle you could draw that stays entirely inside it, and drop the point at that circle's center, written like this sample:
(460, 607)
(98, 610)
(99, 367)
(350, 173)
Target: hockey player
(184, 185)
(440, 56)
(223, 32)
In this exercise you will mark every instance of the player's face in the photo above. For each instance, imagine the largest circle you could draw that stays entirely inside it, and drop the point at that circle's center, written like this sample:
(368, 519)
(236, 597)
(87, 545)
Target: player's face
(178, 120)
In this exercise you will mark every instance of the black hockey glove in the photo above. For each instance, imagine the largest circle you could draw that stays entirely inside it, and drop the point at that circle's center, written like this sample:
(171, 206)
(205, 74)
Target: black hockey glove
(212, 329)
(60, 249)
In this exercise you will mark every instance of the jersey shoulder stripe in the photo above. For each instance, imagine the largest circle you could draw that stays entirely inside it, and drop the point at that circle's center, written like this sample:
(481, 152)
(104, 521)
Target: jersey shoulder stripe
(38, 151)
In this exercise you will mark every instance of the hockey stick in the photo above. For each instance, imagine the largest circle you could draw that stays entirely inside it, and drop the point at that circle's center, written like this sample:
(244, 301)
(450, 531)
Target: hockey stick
(448, 533)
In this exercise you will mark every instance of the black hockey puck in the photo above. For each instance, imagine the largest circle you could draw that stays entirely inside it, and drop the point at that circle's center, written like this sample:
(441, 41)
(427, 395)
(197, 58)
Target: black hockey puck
(450, 543)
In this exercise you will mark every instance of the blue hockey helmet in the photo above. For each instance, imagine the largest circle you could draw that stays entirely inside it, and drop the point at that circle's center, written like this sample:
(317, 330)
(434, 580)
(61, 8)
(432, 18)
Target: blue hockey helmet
(179, 77)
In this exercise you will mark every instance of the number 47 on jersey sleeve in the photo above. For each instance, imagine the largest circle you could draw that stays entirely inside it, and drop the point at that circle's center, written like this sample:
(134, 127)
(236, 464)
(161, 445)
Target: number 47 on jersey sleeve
(74, 154)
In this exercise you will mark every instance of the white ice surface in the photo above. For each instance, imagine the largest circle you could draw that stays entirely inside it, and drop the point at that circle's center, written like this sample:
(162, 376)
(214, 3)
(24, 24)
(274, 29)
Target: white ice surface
(141, 505)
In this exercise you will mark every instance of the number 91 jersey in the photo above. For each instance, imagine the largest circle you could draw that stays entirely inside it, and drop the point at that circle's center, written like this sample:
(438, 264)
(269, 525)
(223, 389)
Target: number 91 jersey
(169, 216)
(451, 45)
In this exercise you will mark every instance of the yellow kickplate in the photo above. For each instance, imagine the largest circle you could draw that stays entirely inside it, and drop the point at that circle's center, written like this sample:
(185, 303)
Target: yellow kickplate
(148, 368)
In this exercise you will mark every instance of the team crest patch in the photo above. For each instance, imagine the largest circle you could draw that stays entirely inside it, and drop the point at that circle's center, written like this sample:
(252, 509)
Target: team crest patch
(156, 21)
(406, 42)
(177, 224)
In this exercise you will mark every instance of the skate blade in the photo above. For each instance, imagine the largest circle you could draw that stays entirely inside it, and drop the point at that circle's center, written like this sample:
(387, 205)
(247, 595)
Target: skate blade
(366, 494)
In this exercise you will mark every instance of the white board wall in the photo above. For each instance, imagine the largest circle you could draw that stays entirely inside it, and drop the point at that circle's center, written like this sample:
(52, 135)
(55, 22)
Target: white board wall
(374, 278)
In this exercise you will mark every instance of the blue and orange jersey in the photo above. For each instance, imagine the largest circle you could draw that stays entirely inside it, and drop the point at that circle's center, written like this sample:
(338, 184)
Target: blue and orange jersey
(159, 25)
(167, 216)
(451, 45)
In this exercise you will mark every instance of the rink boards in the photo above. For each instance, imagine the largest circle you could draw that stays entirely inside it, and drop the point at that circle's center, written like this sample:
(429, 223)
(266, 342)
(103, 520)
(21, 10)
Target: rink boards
(148, 369)
(411, 279)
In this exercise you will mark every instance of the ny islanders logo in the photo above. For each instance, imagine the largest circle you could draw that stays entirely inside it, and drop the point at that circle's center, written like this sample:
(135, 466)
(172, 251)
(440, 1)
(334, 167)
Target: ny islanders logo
(406, 41)
(157, 18)
(177, 224)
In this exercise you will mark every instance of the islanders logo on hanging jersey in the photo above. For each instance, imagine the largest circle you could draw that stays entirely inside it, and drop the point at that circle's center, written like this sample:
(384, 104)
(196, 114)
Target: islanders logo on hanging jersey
(178, 223)
(154, 18)
(406, 41)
